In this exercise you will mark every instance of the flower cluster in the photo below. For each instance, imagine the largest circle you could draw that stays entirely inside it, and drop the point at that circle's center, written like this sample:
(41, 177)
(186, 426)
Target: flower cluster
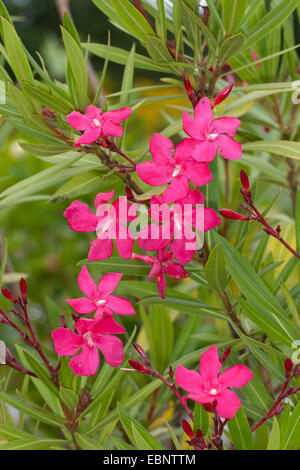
(178, 218)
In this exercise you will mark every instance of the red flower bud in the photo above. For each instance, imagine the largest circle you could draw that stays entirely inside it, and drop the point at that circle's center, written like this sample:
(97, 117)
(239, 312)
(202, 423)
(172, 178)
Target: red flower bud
(139, 350)
(187, 85)
(209, 407)
(225, 355)
(8, 295)
(288, 365)
(229, 214)
(139, 367)
(245, 181)
(23, 287)
(222, 96)
(187, 428)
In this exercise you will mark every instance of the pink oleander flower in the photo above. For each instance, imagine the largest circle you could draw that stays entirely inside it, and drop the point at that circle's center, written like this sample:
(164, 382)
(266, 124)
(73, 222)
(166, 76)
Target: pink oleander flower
(97, 124)
(209, 135)
(110, 223)
(92, 335)
(99, 298)
(163, 264)
(177, 171)
(179, 225)
(210, 387)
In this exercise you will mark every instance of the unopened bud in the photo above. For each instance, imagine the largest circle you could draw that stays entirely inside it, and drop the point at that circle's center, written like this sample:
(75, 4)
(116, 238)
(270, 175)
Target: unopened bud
(229, 214)
(288, 365)
(245, 181)
(190, 92)
(187, 428)
(222, 96)
(8, 295)
(139, 367)
(225, 355)
(23, 287)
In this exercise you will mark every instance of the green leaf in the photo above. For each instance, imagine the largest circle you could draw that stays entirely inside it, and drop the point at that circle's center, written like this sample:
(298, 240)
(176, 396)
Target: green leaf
(86, 443)
(33, 444)
(233, 12)
(274, 439)
(293, 439)
(133, 19)
(3, 260)
(297, 226)
(46, 99)
(78, 67)
(117, 265)
(121, 56)
(10, 433)
(240, 431)
(215, 270)
(158, 50)
(69, 397)
(230, 47)
(274, 18)
(84, 183)
(16, 54)
(201, 419)
(162, 332)
(137, 433)
(43, 416)
(283, 148)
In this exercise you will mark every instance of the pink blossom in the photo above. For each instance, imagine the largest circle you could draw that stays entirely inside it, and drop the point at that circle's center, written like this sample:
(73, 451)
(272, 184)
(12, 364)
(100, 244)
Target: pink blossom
(92, 334)
(210, 387)
(163, 264)
(97, 124)
(179, 223)
(99, 297)
(177, 171)
(110, 222)
(209, 135)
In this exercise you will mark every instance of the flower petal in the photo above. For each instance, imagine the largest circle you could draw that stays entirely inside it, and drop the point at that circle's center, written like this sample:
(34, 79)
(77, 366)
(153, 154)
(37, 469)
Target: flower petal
(66, 343)
(229, 148)
(203, 113)
(107, 325)
(178, 189)
(87, 362)
(198, 173)
(154, 237)
(228, 404)
(80, 218)
(102, 198)
(86, 283)
(210, 364)
(108, 283)
(88, 137)
(184, 249)
(124, 246)
(226, 125)
(78, 121)
(111, 348)
(236, 376)
(118, 115)
(201, 398)
(161, 150)
(84, 325)
(119, 305)
(189, 380)
(204, 151)
(192, 127)
(111, 129)
(82, 305)
(205, 219)
(100, 249)
(153, 174)
(93, 112)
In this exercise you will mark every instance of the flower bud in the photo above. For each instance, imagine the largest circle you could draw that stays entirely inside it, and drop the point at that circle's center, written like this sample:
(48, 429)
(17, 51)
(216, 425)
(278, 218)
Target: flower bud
(187, 428)
(288, 365)
(229, 214)
(245, 181)
(23, 287)
(225, 355)
(222, 96)
(139, 367)
(8, 295)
